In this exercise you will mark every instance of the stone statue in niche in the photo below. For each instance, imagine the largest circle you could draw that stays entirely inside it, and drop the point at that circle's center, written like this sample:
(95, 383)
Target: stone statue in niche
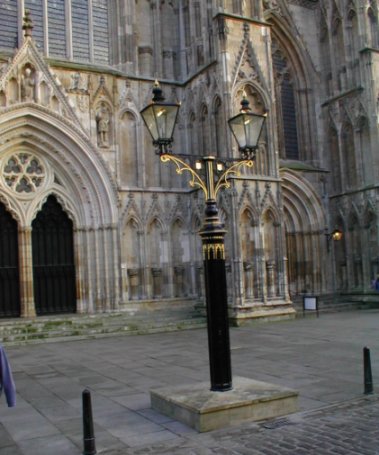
(75, 81)
(28, 84)
(103, 124)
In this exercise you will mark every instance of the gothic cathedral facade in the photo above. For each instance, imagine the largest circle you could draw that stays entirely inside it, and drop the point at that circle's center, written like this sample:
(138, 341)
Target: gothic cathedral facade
(90, 219)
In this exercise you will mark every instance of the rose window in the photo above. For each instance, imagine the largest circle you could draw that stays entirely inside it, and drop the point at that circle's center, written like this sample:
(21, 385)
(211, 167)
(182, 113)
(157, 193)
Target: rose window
(23, 173)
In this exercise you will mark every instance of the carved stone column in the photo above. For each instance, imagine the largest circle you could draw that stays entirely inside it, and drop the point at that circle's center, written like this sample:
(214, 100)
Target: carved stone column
(26, 273)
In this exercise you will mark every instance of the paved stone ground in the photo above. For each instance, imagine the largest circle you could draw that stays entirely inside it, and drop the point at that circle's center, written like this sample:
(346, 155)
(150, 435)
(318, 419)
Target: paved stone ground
(349, 428)
(319, 357)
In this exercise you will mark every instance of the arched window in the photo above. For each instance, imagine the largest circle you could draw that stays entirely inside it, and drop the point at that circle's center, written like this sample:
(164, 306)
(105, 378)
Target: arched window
(353, 35)
(197, 9)
(325, 56)
(210, 29)
(286, 108)
(373, 24)
(339, 54)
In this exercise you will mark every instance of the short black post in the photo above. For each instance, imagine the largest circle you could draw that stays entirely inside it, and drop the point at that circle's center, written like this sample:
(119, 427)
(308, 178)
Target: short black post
(88, 432)
(367, 371)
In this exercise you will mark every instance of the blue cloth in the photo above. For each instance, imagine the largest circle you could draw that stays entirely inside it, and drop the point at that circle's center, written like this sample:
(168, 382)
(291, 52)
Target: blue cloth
(6, 380)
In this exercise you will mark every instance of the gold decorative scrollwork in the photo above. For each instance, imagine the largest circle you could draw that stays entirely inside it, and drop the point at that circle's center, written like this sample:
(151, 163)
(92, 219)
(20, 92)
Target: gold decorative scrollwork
(234, 169)
(182, 166)
(209, 187)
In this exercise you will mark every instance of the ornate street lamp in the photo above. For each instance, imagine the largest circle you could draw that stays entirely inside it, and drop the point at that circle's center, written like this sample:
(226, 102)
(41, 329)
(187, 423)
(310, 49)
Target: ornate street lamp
(247, 128)
(160, 119)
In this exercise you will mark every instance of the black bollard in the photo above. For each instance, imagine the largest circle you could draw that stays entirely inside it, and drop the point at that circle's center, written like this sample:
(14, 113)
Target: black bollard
(88, 433)
(367, 371)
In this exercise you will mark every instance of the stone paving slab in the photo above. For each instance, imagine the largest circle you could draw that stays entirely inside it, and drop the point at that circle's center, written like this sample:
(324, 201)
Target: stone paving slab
(348, 428)
(320, 357)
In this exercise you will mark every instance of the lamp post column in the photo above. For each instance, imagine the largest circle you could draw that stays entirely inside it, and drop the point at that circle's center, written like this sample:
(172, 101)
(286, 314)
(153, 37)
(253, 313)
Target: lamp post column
(213, 235)
(160, 118)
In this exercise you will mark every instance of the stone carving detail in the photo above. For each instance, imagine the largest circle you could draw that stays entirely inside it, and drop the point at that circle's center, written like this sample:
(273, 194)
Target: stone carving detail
(23, 173)
(28, 83)
(78, 84)
(103, 123)
(271, 5)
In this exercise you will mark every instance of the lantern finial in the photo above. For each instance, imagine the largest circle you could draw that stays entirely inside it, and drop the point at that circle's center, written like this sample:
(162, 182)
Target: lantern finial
(157, 92)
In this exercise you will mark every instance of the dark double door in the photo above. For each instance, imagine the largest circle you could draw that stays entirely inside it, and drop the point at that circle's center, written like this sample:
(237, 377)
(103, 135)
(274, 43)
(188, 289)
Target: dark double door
(53, 262)
(9, 269)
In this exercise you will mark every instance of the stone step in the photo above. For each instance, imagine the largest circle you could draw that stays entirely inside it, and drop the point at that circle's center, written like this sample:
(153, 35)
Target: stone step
(330, 305)
(57, 328)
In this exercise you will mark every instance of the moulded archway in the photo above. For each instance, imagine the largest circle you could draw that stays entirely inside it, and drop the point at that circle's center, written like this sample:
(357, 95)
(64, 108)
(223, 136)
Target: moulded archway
(304, 222)
(76, 174)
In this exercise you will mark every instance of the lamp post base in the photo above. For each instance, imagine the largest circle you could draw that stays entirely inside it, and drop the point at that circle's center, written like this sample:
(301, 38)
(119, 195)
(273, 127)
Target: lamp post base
(198, 407)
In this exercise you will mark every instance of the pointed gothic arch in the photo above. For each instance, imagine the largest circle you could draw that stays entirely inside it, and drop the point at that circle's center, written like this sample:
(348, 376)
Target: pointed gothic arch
(299, 82)
(76, 174)
(132, 259)
(304, 223)
(53, 254)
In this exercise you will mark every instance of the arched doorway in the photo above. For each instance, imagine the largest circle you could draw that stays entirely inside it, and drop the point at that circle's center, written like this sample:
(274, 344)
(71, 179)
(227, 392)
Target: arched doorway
(305, 236)
(9, 271)
(53, 260)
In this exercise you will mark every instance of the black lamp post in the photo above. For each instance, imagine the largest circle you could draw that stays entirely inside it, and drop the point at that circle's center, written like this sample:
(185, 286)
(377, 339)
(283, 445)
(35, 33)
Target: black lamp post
(160, 118)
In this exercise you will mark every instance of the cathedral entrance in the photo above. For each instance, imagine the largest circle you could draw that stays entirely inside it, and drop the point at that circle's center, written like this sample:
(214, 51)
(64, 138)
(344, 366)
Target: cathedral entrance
(9, 274)
(53, 260)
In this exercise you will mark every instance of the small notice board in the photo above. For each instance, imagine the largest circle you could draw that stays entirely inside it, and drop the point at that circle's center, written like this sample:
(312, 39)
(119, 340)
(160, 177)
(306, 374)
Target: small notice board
(310, 303)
